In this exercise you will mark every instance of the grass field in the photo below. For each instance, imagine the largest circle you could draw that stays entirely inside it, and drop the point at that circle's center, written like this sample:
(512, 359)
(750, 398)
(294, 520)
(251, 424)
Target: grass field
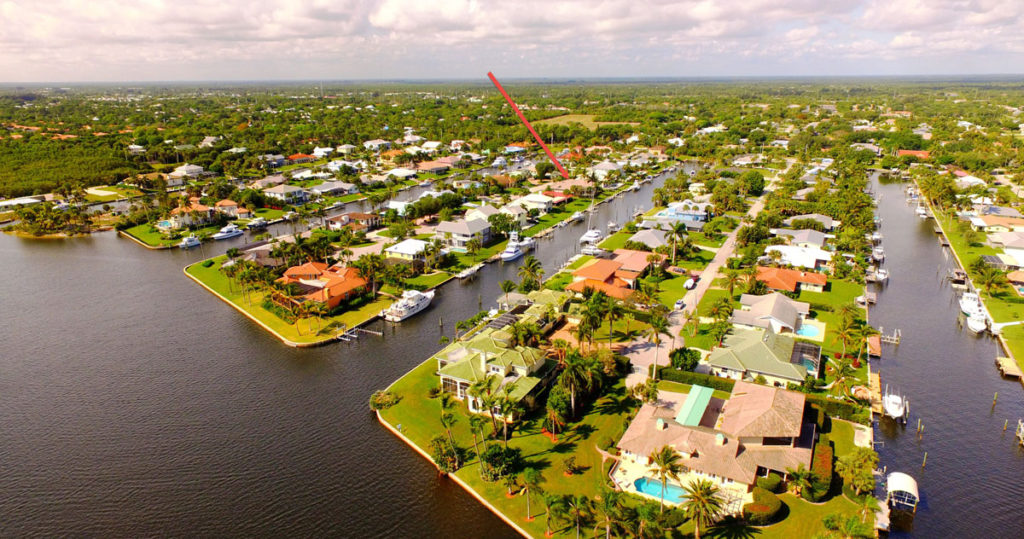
(306, 330)
(586, 120)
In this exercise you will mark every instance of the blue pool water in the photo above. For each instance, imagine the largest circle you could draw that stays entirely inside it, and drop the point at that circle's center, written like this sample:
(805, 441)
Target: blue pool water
(652, 487)
(807, 330)
(164, 223)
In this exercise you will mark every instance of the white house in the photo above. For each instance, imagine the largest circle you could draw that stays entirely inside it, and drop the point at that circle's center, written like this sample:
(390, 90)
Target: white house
(535, 201)
(345, 149)
(187, 171)
(602, 169)
(401, 173)
(320, 153)
(335, 188)
(377, 145)
(518, 214)
(458, 234)
(431, 146)
(483, 212)
(287, 193)
(398, 205)
(801, 257)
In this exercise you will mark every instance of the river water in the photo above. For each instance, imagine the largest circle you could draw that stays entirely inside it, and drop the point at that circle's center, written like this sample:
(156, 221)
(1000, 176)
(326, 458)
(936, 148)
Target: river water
(133, 403)
(973, 482)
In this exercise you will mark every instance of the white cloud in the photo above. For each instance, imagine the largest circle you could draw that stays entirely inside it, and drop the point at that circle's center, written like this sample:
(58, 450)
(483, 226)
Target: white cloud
(328, 39)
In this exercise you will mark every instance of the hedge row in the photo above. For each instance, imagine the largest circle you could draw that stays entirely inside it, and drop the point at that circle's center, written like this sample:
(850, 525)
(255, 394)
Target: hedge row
(687, 377)
(764, 509)
(770, 483)
(821, 465)
(840, 409)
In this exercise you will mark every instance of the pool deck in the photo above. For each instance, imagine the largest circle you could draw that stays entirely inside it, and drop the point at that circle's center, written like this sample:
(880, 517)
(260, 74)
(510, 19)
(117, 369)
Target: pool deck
(819, 326)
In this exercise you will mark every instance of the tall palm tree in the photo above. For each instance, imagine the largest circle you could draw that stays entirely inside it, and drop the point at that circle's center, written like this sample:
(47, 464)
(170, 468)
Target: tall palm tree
(648, 523)
(531, 268)
(554, 509)
(692, 321)
(658, 327)
(702, 504)
(677, 232)
(577, 377)
(721, 309)
(667, 464)
(613, 310)
(732, 278)
(506, 288)
(609, 512)
(579, 508)
(846, 332)
(476, 427)
(532, 481)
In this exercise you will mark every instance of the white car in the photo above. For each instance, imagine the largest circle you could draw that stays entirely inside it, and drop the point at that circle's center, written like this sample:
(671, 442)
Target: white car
(680, 305)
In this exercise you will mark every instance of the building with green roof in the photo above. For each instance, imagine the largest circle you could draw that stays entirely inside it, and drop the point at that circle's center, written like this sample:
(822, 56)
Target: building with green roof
(780, 359)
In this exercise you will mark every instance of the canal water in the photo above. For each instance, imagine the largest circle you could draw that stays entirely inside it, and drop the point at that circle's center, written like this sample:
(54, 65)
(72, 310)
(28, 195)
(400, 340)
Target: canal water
(973, 482)
(134, 403)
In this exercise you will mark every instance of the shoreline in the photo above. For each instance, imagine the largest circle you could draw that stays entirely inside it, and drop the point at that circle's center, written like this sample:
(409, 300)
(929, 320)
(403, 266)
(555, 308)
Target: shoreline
(142, 243)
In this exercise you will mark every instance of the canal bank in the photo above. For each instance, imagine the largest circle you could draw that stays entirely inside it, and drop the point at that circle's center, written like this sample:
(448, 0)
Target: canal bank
(974, 476)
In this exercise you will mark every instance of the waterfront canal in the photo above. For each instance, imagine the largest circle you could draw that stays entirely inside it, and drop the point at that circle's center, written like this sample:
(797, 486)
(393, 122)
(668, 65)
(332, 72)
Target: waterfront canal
(973, 482)
(134, 403)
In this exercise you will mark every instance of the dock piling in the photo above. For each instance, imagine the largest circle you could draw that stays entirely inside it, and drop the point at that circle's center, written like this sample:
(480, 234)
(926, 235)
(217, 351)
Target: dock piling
(925, 461)
(1006, 424)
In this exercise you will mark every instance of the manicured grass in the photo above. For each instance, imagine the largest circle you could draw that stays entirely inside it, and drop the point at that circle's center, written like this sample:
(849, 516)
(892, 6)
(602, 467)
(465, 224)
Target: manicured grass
(579, 262)
(804, 518)
(672, 290)
(430, 280)
(711, 297)
(615, 241)
(676, 387)
(836, 294)
(218, 281)
(418, 416)
(697, 261)
(702, 339)
(636, 330)
(714, 240)
(466, 260)
(269, 214)
(559, 281)
(842, 437)
(149, 235)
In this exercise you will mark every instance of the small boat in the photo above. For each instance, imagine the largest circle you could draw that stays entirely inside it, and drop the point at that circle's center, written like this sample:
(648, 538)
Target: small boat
(576, 217)
(257, 223)
(468, 272)
(958, 279)
(426, 183)
(977, 323)
(189, 242)
(635, 186)
(512, 250)
(895, 406)
(876, 237)
(1020, 431)
(593, 235)
(878, 254)
(527, 244)
(921, 212)
(593, 250)
(970, 304)
(288, 216)
(881, 275)
(612, 227)
(229, 231)
(412, 302)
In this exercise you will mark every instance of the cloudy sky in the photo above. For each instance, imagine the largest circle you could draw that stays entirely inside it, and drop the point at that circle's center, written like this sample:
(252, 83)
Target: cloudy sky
(142, 40)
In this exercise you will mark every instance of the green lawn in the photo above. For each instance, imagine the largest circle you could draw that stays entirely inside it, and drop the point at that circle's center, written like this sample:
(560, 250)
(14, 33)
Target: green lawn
(615, 241)
(672, 290)
(620, 332)
(804, 518)
(676, 387)
(711, 297)
(269, 214)
(431, 280)
(696, 261)
(559, 281)
(305, 332)
(714, 240)
(578, 263)
(148, 234)
(702, 339)
(836, 294)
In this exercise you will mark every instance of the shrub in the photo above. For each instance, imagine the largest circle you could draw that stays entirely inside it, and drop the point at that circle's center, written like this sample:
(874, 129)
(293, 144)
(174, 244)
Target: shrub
(764, 509)
(433, 392)
(684, 359)
(207, 263)
(840, 409)
(770, 483)
(383, 399)
(686, 377)
(821, 465)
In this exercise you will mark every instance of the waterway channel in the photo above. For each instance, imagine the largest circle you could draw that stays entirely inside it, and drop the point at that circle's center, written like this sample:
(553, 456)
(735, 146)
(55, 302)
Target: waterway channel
(973, 482)
(134, 403)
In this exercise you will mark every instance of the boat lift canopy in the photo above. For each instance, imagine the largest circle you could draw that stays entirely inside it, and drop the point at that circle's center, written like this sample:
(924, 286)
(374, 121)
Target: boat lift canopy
(902, 491)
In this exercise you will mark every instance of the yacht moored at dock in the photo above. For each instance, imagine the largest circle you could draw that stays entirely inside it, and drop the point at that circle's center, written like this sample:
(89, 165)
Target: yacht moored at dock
(229, 231)
(412, 302)
(189, 242)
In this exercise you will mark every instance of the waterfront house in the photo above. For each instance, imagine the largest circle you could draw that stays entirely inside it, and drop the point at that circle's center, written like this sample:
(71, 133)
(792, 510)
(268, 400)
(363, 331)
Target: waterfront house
(491, 355)
(346, 149)
(995, 223)
(195, 214)
(269, 181)
(320, 152)
(273, 160)
(789, 280)
(228, 207)
(731, 442)
(605, 276)
(518, 214)
(335, 189)
(484, 212)
(801, 257)
(377, 145)
(300, 158)
(604, 168)
(319, 283)
(412, 252)
(458, 234)
(186, 171)
(402, 173)
(806, 238)
(433, 167)
(637, 261)
(355, 221)
(652, 238)
(774, 311)
(534, 201)
(827, 222)
(747, 354)
(289, 194)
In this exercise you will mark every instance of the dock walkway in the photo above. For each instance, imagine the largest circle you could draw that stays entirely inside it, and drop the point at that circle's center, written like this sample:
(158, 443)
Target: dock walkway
(1009, 368)
(876, 393)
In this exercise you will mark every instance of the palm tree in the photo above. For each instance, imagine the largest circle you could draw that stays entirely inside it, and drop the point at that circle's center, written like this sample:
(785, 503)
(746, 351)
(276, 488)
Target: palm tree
(554, 507)
(447, 403)
(732, 278)
(846, 332)
(848, 528)
(628, 317)
(868, 504)
(721, 309)
(658, 327)
(506, 288)
(702, 504)
(848, 311)
(677, 232)
(991, 279)
(864, 332)
(612, 311)
(532, 480)
(667, 464)
(692, 321)
(843, 371)
(531, 268)
(648, 523)
(578, 507)
(608, 508)
(577, 377)
(800, 478)
(554, 419)
(476, 427)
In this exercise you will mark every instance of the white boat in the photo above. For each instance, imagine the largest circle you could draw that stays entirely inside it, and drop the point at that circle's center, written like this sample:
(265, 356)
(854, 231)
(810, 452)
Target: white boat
(527, 244)
(593, 250)
(635, 186)
(412, 302)
(511, 252)
(189, 242)
(977, 323)
(612, 227)
(895, 406)
(881, 275)
(426, 183)
(258, 222)
(970, 304)
(578, 216)
(921, 212)
(878, 254)
(876, 237)
(229, 231)
(593, 235)
(469, 272)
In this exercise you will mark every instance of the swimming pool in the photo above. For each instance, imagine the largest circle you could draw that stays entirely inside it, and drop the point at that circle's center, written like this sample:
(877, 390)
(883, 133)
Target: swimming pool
(652, 487)
(807, 330)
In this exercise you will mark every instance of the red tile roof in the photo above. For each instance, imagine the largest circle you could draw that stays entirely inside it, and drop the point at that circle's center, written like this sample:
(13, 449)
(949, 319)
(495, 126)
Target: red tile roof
(920, 154)
(599, 270)
(787, 279)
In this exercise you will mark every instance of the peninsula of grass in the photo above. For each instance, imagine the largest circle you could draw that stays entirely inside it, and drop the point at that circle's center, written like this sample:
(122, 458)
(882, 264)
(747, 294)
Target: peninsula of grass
(304, 332)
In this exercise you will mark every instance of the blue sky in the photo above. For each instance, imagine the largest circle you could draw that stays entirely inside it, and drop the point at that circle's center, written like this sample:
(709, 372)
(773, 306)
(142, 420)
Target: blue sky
(106, 40)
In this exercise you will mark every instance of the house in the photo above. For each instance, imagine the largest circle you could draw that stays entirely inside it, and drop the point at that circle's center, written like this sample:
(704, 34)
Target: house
(377, 145)
(605, 276)
(318, 283)
(994, 223)
(411, 251)
(803, 238)
(483, 212)
(500, 162)
(535, 201)
(269, 181)
(300, 158)
(518, 214)
(194, 214)
(637, 261)
(335, 188)
(864, 146)
(748, 354)
(968, 181)
(827, 222)
(747, 160)
(320, 153)
(346, 149)
(602, 169)
(273, 160)
(135, 149)
(801, 257)
(731, 442)
(398, 205)
(228, 207)
(339, 165)
(389, 156)
(652, 238)
(491, 355)
(458, 234)
(918, 154)
(774, 311)
(433, 167)
(431, 146)
(788, 280)
(187, 171)
(355, 221)
(402, 173)
(1000, 211)
(289, 194)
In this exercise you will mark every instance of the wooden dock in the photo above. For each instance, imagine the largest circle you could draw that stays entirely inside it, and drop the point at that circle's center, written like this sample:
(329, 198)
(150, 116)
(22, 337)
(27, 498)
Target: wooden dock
(1009, 368)
(876, 393)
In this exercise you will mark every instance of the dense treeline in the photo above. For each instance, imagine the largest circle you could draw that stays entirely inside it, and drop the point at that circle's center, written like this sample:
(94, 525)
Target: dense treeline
(43, 166)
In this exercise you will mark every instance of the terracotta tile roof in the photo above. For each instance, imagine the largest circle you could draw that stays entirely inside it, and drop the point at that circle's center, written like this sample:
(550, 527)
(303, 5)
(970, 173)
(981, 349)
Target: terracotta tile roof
(617, 292)
(598, 269)
(920, 154)
(632, 260)
(225, 203)
(295, 156)
(787, 279)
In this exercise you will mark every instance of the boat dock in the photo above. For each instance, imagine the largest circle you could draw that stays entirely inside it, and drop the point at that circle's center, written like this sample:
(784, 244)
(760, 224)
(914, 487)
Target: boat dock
(875, 382)
(1009, 368)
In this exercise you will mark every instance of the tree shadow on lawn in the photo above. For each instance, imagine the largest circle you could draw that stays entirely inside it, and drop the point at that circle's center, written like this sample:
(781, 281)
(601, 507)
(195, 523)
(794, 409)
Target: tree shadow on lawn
(614, 405)
(733, 528)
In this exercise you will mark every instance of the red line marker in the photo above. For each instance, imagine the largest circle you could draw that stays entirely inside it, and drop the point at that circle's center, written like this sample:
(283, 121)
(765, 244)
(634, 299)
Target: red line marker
(528, 126)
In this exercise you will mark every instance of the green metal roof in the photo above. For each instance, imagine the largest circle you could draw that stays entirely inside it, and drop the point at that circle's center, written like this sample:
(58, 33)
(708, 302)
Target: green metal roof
(693, 408)
(759, 352)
